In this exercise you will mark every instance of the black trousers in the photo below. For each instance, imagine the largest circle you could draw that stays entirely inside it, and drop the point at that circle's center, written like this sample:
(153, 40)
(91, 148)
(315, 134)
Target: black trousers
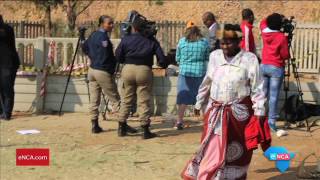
(7, 79)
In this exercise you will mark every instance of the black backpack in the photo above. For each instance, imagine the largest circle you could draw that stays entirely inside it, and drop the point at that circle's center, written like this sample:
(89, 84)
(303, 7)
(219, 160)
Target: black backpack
(297, 110)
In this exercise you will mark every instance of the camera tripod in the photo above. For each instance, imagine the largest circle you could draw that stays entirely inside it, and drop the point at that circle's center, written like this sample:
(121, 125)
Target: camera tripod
(80, 39)
(106, 102)
(292, 64)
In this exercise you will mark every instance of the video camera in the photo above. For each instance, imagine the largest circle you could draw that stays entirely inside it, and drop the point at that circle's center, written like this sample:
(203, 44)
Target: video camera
(148, 28)
(82, 32)
(288, 24)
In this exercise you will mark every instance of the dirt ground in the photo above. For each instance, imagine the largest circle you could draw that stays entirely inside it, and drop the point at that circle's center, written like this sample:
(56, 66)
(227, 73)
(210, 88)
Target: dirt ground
(77, 154)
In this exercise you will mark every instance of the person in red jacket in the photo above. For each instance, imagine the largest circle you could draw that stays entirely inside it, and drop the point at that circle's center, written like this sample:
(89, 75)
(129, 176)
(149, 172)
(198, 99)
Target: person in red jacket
(247, 41)
(274, 53)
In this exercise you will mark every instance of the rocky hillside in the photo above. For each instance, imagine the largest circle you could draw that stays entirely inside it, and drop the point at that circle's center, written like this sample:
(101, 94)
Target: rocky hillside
(306, 11)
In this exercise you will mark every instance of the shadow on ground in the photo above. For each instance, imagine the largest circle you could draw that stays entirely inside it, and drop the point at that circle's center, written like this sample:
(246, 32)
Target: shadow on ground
(167, 130)
(290, 174)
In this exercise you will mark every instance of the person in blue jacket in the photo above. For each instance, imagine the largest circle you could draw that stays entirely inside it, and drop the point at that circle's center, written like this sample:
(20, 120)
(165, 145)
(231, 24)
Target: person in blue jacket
(136, 51)
(102, 67)
(9, 64)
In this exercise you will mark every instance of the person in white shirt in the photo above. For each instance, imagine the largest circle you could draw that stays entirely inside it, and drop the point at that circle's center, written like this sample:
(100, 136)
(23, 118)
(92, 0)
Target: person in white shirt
(209, 20)
(233, 86)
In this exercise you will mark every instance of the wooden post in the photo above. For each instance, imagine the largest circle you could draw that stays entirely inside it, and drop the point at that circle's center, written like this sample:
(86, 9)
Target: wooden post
(34, 27)
(174, 35)
(161, 33)
(305, 45)
(21, 33)
(298, 47)
(65, 55)
(43, 29)
(318, 58)
(39, 49)
(318, 99)
(166, 24)
(74, 47)
(314, 49)
(170, 35)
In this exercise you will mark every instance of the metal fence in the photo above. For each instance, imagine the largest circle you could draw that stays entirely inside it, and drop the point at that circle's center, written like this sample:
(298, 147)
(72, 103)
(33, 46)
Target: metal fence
(27, 29)
(169, 32)
(306, 47)
(306, 41)
(35, 51)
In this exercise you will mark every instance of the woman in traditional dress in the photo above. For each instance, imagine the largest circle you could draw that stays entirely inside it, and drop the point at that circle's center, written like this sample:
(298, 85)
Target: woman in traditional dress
(233, 86)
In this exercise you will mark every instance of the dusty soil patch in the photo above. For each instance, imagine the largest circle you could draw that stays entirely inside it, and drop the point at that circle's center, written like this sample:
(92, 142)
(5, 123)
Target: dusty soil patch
(77, 154)
(227, 10)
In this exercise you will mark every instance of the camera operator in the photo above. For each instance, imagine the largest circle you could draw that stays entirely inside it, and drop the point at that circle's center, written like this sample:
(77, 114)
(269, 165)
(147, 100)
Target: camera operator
(9, 64)
(136, 51)
(102, 67)
(274, 53)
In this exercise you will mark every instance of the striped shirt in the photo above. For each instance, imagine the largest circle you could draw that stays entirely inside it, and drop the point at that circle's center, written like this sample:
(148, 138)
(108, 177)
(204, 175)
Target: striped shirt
(193, 57)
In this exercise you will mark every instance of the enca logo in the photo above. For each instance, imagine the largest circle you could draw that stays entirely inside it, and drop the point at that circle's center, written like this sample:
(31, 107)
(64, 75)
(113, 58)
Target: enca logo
(32, 157)
(279, 157)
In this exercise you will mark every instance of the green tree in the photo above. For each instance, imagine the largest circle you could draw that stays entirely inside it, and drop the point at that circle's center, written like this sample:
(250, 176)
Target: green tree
(47, 6)
(74, 8)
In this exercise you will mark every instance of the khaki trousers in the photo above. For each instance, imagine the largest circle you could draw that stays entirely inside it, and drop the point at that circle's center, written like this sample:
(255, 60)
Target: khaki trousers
(137, 80)
(101, 81)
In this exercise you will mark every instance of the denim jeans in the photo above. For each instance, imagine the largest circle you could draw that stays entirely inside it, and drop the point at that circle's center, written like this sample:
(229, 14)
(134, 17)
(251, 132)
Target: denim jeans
(273, 77)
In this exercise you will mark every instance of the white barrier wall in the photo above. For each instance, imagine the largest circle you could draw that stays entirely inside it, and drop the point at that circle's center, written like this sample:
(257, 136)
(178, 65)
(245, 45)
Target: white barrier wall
(25, 94)
(34, 52)
(163, 101)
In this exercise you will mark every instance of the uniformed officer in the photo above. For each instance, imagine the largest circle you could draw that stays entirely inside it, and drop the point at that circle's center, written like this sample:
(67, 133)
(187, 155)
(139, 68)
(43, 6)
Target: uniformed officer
(102, 67)
(9, 64)
(136, 51)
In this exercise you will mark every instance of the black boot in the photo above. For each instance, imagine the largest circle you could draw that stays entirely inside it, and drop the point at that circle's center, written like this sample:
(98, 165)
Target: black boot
(95, 127)
(131, 130)
(5, 117)
(146, 132)
(122, 129)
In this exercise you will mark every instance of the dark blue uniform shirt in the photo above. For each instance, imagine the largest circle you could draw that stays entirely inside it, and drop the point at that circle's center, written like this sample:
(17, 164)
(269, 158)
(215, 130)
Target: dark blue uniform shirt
(138, 49)
(100, 51)
(8, 57)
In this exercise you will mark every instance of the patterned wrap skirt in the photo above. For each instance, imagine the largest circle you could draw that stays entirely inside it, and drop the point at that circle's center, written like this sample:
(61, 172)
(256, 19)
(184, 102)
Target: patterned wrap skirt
(223, 153)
